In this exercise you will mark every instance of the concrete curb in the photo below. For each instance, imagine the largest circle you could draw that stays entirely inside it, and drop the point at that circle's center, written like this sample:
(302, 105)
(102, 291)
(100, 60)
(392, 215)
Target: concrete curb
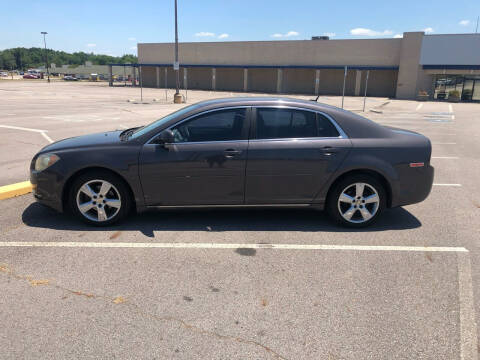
(12, 190)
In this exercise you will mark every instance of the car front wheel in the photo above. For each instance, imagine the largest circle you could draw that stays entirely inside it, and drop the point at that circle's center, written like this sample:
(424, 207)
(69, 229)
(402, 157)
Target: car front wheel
(356, 201)
(99, 198)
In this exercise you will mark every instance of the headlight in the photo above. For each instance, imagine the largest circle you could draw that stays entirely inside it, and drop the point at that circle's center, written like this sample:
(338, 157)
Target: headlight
(45, 160)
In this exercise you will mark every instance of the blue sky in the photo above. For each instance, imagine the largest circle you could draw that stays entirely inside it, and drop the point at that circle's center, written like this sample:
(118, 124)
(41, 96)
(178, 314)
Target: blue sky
(115, 27)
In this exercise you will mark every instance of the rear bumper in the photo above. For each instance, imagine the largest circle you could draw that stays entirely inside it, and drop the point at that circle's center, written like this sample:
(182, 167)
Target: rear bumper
(47, 189)
(413, 186)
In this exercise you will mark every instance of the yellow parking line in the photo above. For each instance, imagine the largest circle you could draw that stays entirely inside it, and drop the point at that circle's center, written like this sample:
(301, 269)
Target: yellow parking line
(12, 190)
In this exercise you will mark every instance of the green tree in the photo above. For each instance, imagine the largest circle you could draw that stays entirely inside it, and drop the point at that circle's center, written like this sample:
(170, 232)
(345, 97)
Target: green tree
(22, 58)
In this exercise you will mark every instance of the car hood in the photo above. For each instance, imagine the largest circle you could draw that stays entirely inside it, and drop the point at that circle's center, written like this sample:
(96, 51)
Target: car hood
(91, 140)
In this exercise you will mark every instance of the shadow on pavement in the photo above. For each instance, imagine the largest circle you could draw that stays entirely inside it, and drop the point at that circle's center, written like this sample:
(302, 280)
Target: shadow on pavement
(226, 219)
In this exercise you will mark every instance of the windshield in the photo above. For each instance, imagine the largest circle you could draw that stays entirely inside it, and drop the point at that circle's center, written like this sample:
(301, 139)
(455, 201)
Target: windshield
(145, 129)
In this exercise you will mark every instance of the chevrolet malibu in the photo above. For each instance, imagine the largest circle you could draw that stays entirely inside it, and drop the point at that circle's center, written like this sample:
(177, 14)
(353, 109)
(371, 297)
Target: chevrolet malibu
(238, 152)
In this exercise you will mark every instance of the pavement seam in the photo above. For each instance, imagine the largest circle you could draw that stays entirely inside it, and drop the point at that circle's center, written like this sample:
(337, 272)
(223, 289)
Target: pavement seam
(4, 268)
(468, 325)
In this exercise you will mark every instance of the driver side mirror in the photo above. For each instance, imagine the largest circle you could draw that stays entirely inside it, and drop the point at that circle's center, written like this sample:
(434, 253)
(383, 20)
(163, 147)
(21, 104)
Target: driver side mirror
(165, 137)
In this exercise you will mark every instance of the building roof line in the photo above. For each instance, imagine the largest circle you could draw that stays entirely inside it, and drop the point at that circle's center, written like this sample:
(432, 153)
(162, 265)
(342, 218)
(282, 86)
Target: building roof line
(451, 67)
(340, 67)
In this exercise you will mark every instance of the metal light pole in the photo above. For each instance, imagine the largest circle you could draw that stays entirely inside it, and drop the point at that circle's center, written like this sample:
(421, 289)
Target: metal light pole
(177, 98)
(344, 79)
(366, 87)
(46, 54)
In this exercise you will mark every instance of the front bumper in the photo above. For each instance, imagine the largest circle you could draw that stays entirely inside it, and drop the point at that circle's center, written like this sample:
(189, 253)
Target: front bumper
(47, 188)
(414, 184)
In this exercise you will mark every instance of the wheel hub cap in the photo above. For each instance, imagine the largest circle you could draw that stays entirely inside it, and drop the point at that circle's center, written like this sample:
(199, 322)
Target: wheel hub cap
(98, 200)
(358, 202)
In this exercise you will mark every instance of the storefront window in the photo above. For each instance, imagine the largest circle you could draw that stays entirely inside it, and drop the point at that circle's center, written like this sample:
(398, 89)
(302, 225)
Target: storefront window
(468, 87)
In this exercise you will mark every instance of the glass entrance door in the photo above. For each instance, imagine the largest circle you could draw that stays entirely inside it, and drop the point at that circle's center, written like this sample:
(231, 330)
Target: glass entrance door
(467, 89)
(476, 90)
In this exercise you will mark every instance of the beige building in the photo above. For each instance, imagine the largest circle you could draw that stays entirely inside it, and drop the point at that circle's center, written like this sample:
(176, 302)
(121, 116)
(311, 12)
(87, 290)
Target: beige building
(399, 67)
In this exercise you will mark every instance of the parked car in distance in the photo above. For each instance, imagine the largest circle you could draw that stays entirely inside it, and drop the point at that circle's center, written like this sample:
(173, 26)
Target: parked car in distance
(69, 78)
(253, 151)
(30, 76)
(3, 74)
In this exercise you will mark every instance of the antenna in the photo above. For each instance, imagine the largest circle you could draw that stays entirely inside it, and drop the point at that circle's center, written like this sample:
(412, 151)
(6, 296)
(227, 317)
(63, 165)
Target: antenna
(476, 28)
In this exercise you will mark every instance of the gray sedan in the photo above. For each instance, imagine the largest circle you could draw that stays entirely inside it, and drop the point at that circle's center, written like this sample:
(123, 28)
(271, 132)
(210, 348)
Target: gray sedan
(238, 152)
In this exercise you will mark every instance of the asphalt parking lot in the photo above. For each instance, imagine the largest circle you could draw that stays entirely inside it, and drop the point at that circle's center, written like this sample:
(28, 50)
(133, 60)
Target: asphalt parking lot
(236, 284)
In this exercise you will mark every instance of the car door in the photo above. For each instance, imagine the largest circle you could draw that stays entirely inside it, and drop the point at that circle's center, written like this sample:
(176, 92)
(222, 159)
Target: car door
(292, 152)
(205, 164)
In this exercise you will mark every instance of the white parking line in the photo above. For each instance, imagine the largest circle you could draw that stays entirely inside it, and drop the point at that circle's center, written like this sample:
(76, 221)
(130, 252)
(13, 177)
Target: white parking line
(42, 132)
(47, 137)
(122, 126)
(444, 157)
(22, 128)
(419, 107)
(445, 143)
(455, 185)
(450, 108)
(75, 244)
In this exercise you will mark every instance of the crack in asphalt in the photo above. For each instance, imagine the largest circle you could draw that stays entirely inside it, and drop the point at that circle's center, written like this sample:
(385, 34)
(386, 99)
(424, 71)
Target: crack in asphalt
(5, 269)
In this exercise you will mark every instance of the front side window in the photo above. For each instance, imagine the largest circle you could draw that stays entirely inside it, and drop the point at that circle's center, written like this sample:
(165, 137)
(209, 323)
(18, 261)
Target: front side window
(274, 123)
(221, 125)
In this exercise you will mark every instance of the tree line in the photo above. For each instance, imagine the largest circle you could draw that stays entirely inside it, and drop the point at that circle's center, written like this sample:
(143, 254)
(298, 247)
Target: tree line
(22, 58)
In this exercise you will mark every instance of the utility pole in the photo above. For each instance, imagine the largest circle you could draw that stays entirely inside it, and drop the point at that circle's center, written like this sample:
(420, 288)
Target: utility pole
(46, 54)
(177, 98)
(476, 28)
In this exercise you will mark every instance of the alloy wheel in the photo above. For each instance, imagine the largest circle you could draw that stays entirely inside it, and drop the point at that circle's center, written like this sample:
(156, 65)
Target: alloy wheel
(358, 203)
(98, 200)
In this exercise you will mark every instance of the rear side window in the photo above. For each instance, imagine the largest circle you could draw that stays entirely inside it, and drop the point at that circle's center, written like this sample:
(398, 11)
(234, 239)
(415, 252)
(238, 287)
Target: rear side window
(275, 123)
(221, 125)
(325, 127)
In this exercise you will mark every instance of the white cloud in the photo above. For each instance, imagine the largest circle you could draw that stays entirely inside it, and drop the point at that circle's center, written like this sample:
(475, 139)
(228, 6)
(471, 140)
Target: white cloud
(91, 45)
(223, 36)
(329, 34)
(131, 38)
(369, 32)
(464, 22)
(205, 34)
(133, 48)
(428, 30)
(398, 36)
(288, 34)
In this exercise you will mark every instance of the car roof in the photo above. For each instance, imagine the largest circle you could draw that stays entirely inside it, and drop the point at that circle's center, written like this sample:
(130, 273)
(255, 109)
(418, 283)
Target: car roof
(262, 100)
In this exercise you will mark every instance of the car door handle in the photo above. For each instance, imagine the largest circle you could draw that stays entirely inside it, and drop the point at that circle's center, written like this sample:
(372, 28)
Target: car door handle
(232, 152)
(329, 150)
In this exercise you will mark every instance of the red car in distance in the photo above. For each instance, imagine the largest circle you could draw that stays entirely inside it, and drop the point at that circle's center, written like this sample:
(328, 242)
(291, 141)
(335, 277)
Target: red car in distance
(30, 76)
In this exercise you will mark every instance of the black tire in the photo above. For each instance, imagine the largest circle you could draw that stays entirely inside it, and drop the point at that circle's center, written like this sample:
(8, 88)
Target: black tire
(119, 187)
(334, 208)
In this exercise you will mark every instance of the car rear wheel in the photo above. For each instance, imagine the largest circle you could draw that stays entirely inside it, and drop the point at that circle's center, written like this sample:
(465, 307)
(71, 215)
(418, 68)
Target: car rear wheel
(357, 201)
(99, 198)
